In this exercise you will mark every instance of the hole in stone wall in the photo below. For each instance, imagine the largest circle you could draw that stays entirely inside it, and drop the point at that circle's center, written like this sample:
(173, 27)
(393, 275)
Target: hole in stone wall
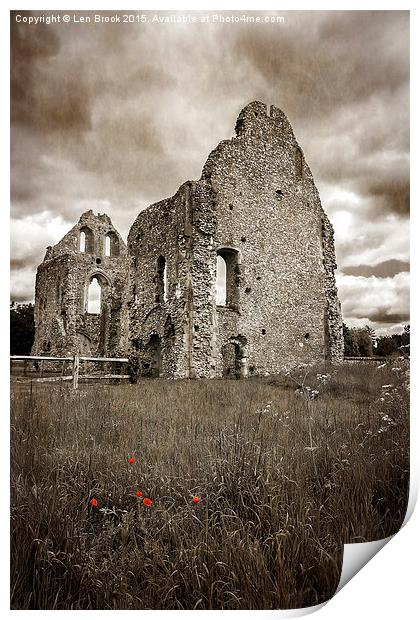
(231, 207)
(221, 281)
(231, 357)
(227, 278)
(263, 332)
(258, 277)
(248, 289)
(98, 261)
(196, 328)
(111, 245)
(279, 193)
(161, 280)
(243, 239)
(86, 240)
(94, 294)
(307, 336)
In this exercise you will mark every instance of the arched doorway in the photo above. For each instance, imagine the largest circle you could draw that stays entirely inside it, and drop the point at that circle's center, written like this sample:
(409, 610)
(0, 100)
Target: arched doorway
(152, 363)
(234, 358)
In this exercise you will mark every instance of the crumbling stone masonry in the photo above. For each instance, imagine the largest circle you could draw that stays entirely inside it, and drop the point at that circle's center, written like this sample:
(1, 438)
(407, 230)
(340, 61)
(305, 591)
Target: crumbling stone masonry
(254, 223)
(91, 251)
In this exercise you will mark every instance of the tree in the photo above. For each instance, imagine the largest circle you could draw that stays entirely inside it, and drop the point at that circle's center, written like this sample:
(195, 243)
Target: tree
(364, 341)
(351, 348)
(22, 328)
(395, 344)
(358, 342)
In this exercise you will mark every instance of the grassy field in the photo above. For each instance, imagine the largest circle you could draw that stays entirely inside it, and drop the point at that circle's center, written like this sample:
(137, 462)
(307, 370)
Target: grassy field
(284, 478)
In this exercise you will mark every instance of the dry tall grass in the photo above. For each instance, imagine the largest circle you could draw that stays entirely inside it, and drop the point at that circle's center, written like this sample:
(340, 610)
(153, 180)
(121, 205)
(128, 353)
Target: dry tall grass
(284, 481)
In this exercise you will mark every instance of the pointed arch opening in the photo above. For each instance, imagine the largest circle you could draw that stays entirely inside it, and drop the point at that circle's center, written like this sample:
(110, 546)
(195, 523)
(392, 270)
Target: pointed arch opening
(111, 245)
(86, 243)
(94, 297)
(96, 292)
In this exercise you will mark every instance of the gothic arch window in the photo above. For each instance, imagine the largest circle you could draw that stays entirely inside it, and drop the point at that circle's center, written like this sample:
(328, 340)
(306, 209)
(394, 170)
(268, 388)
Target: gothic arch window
(96, 291)
(227, 272)
(161, 280)
(111, 245)
(93, 297)
(86, 240)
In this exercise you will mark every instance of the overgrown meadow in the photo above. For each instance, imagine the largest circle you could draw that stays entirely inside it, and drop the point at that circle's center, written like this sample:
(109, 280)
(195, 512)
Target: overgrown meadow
(255, 485)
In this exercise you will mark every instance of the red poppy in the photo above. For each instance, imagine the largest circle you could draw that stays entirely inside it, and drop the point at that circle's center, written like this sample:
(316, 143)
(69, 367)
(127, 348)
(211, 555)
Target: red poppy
(147, 502)
(139, 493)
(132, 459)
(93, 502)
(196, 499)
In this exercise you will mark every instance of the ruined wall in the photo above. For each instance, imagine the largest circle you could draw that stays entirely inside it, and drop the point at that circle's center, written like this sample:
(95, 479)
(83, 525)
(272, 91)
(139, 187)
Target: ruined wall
(268, 211)
(62, 322)
(161, 329)
(257, 207)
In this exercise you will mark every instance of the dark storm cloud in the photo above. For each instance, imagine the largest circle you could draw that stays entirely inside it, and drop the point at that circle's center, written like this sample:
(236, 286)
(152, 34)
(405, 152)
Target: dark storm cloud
(41, 96)
(343, 78)
(382, 317)
(386, 269)
(114, 117)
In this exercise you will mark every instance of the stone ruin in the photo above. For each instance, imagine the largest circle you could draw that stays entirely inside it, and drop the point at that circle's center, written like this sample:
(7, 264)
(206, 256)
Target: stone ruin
(232, 276)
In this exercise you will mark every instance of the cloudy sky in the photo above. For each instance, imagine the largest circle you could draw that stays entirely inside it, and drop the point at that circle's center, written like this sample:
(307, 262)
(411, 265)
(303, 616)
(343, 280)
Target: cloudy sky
(113, 117)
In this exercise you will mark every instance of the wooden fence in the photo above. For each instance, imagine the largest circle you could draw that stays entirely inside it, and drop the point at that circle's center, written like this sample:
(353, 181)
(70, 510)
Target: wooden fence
(373, 358)
(44, 369)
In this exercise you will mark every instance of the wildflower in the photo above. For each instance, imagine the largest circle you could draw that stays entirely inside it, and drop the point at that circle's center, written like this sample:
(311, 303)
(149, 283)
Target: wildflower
(93, 502)
(196, 499)
(147, 502)
(132, 459)
(139, 493)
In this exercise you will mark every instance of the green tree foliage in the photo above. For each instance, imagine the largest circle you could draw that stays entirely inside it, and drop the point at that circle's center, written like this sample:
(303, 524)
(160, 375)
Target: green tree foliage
(22, 328)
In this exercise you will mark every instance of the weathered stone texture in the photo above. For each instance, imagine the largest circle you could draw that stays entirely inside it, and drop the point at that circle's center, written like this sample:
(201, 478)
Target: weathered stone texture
(63, 325)
(257, 207)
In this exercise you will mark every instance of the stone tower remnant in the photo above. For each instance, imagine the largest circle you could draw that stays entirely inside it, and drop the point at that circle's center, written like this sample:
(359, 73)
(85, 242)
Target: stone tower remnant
(232, 276)
(91, 252)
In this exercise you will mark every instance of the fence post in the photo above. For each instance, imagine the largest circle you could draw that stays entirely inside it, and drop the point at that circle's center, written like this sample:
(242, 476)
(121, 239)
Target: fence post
(76, 371)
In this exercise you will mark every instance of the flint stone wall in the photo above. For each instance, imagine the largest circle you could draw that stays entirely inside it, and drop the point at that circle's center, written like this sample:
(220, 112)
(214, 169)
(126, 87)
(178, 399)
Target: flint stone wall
(256, 205)
(62, 325)
(256, 199)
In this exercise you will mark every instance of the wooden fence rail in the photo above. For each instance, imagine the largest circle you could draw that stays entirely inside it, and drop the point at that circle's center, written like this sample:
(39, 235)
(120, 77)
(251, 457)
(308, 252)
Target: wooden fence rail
(39, 362)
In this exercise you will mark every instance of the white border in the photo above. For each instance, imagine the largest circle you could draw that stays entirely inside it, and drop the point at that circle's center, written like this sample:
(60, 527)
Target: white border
(387, 586)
